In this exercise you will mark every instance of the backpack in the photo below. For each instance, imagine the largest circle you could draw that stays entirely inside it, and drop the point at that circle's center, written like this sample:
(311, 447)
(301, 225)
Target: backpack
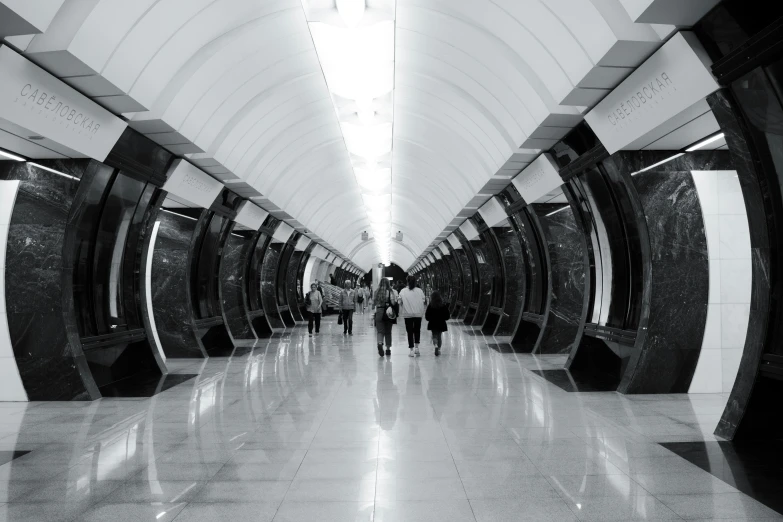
(360, 298)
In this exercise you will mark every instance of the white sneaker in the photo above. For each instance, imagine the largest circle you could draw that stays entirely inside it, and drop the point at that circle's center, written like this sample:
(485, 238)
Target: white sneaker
(410, 354)
(416, 351)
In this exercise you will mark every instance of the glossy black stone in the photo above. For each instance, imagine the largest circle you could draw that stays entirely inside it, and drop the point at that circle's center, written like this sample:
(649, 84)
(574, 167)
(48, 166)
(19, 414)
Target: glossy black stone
(37, 272)
(233, 287)
(567, 278)
(269, 268)
(170, 281)
(145, 385)
(755, 469)
(513, 258)
(668, 346)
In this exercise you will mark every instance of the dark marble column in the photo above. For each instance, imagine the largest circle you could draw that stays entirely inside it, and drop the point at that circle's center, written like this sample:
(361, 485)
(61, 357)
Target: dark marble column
(753, 409)
(233, 281)
(466, 281)
(455, 281)
(485, 269)
(269, 267)
(293, 292)
(513, 259)
(46, 345)
(567, 278)
(674, 310)
(171, 300)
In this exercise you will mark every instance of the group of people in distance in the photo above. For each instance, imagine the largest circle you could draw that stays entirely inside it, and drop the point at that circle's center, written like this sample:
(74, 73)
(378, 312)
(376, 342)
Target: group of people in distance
(386, 304)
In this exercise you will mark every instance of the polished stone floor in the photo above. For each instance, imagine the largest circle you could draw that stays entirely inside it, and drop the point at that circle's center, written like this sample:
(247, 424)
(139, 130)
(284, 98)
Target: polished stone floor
(322, 429)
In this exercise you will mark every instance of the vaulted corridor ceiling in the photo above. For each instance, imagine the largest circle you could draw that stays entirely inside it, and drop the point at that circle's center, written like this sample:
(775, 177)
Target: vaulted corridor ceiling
(350, 116)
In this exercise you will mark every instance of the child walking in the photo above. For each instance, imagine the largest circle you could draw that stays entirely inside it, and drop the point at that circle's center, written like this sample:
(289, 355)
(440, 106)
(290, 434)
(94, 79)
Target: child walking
(436, 315)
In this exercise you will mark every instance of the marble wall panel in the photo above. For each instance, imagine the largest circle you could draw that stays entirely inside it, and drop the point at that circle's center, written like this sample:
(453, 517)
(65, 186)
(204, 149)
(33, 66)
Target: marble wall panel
(679, 290)
(40, 319)
(233, 289)
(567, 278)
(486, 271)
(171, 303)
(467, 281)
(513, 258)
(269, 267)
(292, 293)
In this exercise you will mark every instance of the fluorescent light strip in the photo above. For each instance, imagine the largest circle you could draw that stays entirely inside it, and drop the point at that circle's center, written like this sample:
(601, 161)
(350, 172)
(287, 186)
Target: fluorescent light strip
(178, 214)
(47, 169)
(667, 160)
(705, 142)
(558, 210)
(11, 156)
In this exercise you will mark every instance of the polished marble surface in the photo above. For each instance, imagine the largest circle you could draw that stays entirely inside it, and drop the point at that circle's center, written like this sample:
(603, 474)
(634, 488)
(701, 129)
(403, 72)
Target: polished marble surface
(299, 428)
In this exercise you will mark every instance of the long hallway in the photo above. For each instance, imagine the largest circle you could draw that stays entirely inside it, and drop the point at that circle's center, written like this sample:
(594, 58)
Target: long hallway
(302, 428)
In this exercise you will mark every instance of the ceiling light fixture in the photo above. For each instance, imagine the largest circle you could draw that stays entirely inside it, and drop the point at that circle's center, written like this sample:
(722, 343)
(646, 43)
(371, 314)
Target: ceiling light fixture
(357, 58)
(705, 142)
(351, 11)
(47, 169)
(10, 156)
(667, 160)
(558, 210)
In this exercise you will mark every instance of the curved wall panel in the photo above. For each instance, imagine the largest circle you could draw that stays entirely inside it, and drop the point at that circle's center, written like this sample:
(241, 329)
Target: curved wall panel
(237, 251)
(170, 280)
(566, 278)
(45, 344)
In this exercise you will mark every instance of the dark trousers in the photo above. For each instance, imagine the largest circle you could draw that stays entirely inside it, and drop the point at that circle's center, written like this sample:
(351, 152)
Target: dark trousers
(413, 327)
(314, 318)
(437, 338)
(347, 321)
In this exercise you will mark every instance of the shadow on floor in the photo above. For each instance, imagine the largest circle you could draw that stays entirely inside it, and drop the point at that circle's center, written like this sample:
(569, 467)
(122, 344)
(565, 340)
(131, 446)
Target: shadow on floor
(755, 469)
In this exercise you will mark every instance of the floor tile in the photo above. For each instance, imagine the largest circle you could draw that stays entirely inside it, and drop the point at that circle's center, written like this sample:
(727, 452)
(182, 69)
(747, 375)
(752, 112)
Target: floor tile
(424, 511)
(294, 511)
(516, 510)
(258, 512)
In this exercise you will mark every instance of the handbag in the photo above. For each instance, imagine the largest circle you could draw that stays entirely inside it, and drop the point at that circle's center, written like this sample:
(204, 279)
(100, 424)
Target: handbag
(390, 314)
(340, 318)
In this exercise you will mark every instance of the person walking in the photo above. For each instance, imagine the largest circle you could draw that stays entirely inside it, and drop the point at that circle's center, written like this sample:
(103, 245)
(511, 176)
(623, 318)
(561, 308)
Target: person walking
(412, 310)
(314, 302)
(436, 315)
(361, 298)
(385, 297)
(348, 301)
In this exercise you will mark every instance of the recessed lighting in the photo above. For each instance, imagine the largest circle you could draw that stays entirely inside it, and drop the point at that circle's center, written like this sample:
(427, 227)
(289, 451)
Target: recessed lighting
(558, 210)
(658, 164)
(10, 156)
(47, 169)
(705, 142)
(35, 138)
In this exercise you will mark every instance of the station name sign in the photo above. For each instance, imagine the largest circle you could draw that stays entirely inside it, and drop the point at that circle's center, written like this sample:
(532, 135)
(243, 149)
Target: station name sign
(673, 79)
(192, 184)
(35, 100)
(538, 178)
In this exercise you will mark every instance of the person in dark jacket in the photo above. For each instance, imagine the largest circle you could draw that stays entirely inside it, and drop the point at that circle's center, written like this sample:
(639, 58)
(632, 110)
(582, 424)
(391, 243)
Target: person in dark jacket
(436, 315)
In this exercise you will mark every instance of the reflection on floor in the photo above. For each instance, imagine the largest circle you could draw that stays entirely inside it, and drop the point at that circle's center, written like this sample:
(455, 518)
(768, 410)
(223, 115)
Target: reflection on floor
(144, 386)
(574, 382)
(502, 347)
(322, 429)
(8, 456)
(755, 469)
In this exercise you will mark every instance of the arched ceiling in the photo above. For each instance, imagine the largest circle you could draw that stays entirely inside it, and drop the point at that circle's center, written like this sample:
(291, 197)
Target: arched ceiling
(238, 88)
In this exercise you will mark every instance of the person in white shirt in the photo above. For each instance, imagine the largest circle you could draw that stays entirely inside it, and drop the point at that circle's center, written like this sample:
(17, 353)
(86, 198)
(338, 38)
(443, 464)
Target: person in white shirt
(412, 310)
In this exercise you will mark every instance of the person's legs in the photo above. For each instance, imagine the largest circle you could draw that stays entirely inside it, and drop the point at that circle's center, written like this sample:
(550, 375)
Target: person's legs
(317, 323)
(409, 331)
(349, 321)
(379, 332)
(416, 323)
(437, 337)
(310, 321)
